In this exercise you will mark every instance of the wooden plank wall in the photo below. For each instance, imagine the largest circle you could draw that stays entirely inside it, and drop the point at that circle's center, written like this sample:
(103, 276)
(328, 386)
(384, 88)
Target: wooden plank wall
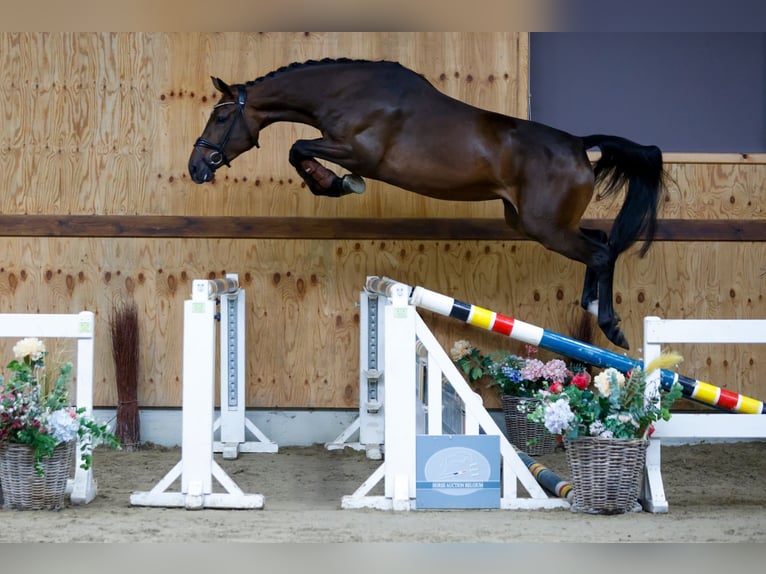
(102, 124)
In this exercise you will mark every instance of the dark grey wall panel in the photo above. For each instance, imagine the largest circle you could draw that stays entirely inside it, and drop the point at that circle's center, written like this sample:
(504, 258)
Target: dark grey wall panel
(686, 92)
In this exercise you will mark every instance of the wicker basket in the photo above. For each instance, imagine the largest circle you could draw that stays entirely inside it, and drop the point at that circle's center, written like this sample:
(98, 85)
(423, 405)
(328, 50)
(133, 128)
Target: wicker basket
(22, 488)
(532, 438)
(606, 473)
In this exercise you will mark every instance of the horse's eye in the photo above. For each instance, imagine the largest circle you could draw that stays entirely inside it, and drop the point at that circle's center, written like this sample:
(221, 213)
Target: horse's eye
(221, 119)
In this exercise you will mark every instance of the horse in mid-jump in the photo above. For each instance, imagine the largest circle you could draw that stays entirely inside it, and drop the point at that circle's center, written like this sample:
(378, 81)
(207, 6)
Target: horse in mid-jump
(382, 121)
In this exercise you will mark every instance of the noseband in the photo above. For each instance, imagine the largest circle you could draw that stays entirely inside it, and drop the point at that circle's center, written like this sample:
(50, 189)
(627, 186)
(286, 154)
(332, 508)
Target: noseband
(218, 156)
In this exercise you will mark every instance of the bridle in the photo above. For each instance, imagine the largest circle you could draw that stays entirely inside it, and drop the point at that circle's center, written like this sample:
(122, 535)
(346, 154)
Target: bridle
(218, 156)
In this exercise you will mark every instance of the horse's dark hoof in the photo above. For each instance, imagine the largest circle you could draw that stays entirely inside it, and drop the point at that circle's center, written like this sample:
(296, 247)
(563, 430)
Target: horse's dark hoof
(353, 184)
(618, 339)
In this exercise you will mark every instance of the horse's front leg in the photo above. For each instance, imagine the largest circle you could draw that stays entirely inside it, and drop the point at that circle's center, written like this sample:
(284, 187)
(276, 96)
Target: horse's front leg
(319, 179)
(314, 172)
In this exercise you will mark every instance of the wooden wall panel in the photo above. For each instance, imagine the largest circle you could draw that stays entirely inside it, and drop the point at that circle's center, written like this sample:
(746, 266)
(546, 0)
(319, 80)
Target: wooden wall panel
(114, 117)
(704, 191)
(302, 314)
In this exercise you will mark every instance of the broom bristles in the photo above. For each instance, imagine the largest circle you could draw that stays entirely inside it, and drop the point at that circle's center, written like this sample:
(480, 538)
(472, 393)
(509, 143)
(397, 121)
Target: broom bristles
(124, 329)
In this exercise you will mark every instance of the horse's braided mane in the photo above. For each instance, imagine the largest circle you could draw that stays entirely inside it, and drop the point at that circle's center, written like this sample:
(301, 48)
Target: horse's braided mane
(307, 63)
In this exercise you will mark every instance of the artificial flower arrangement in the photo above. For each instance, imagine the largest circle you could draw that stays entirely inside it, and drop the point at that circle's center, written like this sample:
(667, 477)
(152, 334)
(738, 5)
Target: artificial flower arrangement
(37, 413)
(511, 374)
(615, 405)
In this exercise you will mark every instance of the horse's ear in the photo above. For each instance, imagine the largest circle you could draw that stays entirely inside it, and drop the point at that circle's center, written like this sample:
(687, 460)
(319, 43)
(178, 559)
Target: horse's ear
(220, 85)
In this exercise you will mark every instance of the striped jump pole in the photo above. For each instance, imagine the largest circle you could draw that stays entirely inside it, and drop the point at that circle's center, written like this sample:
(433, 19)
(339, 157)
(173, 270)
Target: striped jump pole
(692, 389)
(547, 478)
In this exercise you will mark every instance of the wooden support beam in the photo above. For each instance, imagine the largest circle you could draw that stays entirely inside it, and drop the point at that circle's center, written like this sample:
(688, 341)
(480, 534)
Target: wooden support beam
(179, 226)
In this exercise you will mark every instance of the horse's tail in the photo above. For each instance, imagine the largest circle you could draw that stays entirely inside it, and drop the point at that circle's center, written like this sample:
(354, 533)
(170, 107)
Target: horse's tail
(641, 167)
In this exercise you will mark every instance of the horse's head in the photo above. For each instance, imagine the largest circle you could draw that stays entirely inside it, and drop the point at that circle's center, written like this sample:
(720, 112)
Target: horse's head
(226, 135)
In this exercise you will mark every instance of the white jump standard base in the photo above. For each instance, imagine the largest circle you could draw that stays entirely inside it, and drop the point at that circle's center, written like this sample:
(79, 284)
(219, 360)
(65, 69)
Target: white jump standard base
(196, 469)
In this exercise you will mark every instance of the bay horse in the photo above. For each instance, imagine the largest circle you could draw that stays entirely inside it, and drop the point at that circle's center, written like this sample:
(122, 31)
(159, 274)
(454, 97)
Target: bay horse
(382, 121)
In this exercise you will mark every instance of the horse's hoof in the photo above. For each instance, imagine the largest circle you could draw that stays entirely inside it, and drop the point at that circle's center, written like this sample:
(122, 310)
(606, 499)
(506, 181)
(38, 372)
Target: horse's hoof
(353, 184)
(619, 339)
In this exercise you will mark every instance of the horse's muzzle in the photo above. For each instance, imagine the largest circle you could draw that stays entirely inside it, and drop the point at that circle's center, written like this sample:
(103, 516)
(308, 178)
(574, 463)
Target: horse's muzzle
(199, 170)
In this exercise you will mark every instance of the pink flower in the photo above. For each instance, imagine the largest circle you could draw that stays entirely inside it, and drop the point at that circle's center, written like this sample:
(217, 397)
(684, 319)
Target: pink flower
(555, 370)
(532, 370)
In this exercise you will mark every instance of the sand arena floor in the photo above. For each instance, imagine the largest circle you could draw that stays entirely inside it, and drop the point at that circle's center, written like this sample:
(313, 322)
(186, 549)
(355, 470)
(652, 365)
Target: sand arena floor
(716, 493)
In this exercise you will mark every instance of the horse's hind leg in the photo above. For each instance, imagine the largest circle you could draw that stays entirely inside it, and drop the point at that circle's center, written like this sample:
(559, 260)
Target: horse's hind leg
(589, 299)
(319, 179)
(607, 318)
(587, 247)
(598, 296)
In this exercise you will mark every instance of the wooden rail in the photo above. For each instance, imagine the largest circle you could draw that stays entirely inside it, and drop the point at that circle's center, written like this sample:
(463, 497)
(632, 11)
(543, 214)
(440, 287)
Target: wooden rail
(344, 228)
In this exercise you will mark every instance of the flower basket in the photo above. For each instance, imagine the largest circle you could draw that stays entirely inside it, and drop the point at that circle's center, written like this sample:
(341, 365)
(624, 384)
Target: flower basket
(527, 436)
(23, 489)
(606, 473)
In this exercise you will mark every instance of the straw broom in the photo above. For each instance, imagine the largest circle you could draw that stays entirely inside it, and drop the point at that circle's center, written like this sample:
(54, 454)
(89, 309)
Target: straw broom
(124, 329)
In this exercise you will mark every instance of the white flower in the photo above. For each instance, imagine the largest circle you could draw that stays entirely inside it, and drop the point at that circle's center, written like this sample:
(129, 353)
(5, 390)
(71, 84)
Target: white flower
(597, 428)
(602, 380)
(627, 418)
(31, 347)
(460, 349)
(558, 416)
(64, 424)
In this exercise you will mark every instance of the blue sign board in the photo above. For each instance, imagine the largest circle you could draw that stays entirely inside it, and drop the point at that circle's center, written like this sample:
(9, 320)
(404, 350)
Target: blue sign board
(457, 471)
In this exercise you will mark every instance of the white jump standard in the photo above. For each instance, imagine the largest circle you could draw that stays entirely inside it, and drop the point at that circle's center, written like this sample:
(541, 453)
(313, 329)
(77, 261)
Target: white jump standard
(370, 424)
(232, 424)
(197, 468)
(402, 331)
(731, 425)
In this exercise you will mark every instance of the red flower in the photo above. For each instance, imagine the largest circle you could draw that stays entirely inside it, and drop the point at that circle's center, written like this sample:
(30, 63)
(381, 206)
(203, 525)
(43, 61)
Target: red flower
(556, 388)
(581, 380)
